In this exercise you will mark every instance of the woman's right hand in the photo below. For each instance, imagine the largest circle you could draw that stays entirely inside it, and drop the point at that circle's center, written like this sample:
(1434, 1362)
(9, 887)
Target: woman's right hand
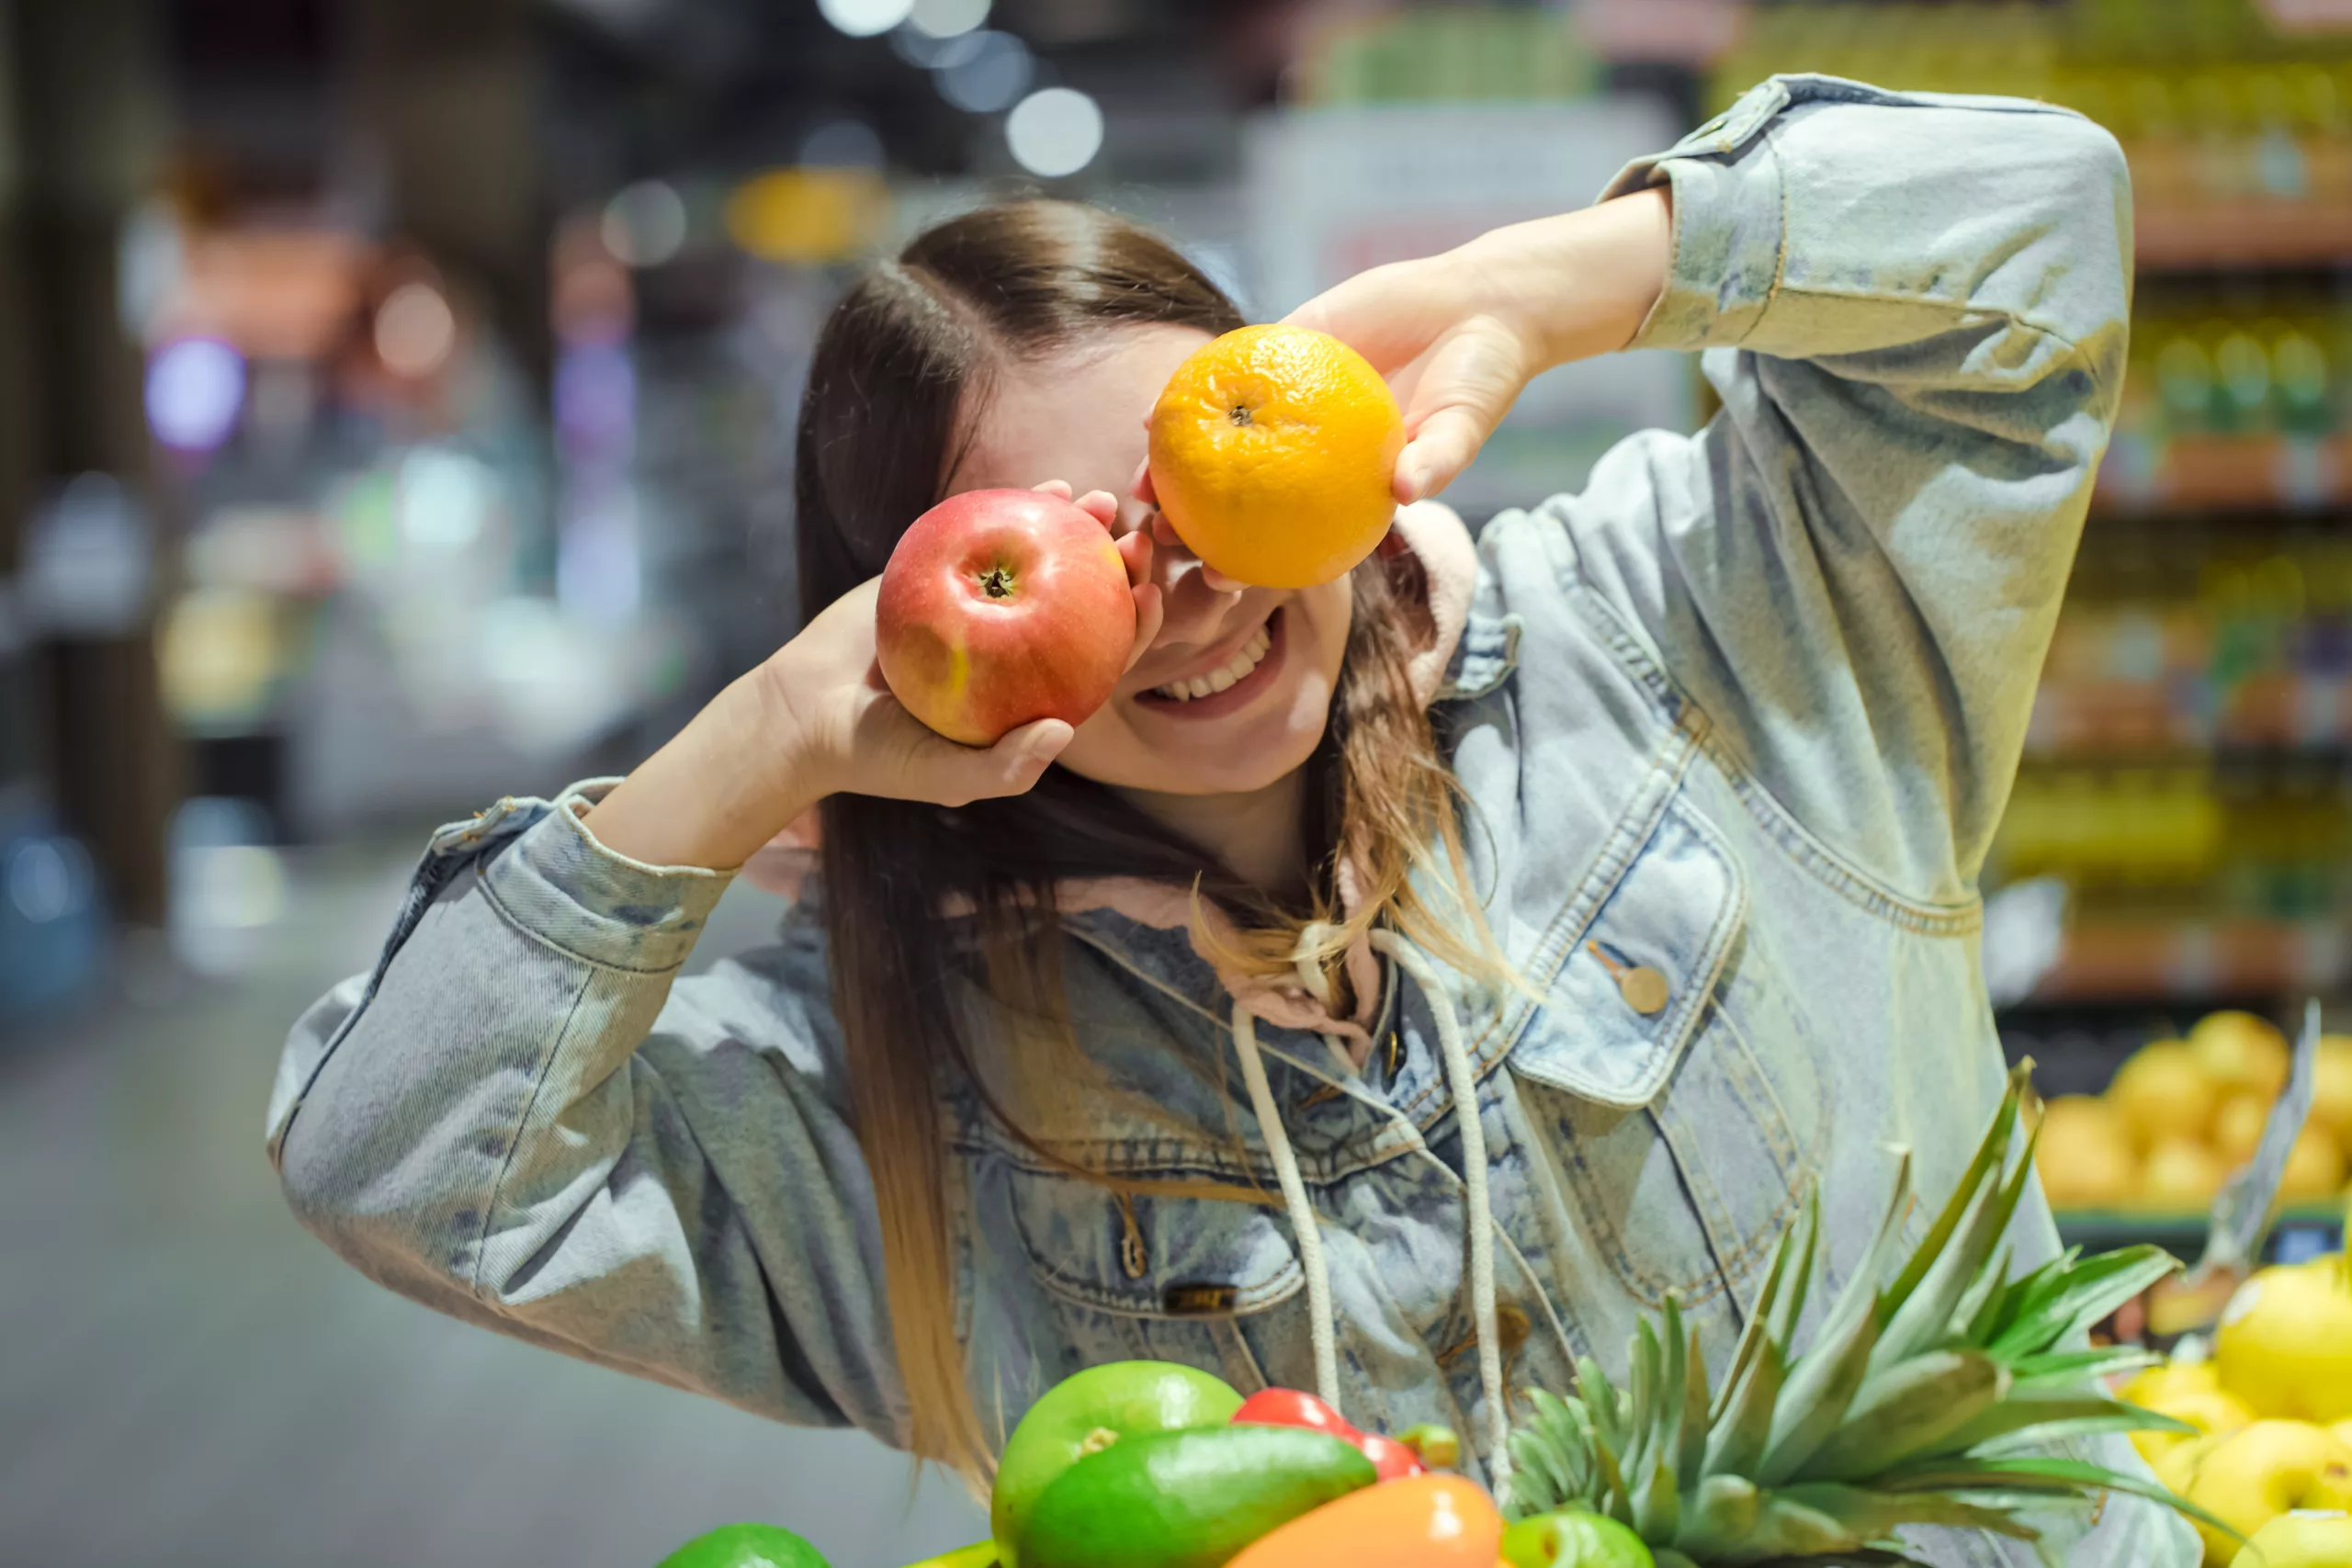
(816, 719)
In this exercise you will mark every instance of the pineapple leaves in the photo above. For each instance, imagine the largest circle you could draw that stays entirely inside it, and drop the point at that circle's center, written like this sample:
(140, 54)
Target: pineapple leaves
(1933, 1400)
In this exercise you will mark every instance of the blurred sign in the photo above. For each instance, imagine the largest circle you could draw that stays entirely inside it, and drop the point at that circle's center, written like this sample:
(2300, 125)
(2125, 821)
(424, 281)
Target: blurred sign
(1331, 192)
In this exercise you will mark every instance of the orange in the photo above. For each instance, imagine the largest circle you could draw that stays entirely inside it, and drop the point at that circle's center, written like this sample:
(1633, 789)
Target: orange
(1273, 451)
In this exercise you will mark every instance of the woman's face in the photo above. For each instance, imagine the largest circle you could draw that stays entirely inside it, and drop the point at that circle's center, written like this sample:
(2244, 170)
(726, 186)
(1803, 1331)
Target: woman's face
(1236, 690)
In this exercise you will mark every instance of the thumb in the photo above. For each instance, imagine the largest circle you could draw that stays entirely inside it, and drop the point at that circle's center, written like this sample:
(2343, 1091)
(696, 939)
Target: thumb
(1438, 453)
(1014, 764)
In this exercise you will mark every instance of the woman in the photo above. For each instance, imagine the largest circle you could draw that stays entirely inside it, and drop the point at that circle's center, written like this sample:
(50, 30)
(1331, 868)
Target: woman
(1617, 879)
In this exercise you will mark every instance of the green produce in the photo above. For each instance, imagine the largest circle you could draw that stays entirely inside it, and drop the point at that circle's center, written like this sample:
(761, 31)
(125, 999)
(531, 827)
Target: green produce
(1927, 1377)
(1091, 1411)
(1577, 1539)
(1187, 1499)
(745, 1546)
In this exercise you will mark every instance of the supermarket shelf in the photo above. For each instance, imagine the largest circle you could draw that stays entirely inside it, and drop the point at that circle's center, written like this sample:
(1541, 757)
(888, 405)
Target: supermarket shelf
(2198, 959)
(2253, 232)
(2221, 473)
(2183, 1234)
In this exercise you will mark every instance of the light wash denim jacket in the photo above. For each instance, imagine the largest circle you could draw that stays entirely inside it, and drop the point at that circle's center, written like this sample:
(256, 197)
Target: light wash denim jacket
(1744, 713)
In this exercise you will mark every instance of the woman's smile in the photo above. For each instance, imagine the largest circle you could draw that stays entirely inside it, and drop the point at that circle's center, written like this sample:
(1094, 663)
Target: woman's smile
(1236, 673)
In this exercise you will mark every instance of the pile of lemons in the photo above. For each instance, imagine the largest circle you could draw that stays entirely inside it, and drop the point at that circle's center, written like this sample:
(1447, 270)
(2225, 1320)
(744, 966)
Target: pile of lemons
(2272, 1409)
(2182, 1114)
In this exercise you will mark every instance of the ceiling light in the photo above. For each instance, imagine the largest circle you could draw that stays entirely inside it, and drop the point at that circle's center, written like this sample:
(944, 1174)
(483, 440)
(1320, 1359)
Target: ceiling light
(993, 78)
(1054, 132)
(863, 18)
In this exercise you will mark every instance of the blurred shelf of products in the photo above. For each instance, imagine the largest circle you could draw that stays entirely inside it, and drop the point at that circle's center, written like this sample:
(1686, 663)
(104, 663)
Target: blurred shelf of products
(2189, 771)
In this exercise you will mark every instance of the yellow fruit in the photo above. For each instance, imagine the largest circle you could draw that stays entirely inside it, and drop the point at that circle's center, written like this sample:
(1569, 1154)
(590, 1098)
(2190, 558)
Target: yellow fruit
(2306, 1540)
(2237, 1127)
(2285, 1341)
(2211, 1411)
(2257, 1474)
(2179, 1468)
(2152, 1385)
(2161, 1093)
(2181, 1173)
(1273, 451)
(2084, 1156)
(2343, 1429)
(2314, 1167)
(2332, 1088)
(2239, 1050)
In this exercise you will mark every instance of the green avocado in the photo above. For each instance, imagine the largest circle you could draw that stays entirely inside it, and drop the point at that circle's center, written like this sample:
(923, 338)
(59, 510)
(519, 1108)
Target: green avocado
(745, 1546)
(1082, 1413)
(1186, 1499)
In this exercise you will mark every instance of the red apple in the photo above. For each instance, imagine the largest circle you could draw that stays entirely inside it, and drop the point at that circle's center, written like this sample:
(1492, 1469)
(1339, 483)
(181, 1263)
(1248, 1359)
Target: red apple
(1000, 607)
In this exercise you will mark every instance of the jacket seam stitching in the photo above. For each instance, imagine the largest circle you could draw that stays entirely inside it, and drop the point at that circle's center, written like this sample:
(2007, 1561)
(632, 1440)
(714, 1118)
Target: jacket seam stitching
(539, 1077)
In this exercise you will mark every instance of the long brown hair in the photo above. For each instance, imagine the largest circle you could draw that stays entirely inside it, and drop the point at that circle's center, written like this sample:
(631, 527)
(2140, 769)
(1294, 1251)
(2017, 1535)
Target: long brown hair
(899, 373)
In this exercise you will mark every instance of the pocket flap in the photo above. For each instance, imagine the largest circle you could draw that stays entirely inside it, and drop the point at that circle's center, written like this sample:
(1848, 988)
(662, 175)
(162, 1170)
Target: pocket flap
(1152, 1255)
(1634, 984)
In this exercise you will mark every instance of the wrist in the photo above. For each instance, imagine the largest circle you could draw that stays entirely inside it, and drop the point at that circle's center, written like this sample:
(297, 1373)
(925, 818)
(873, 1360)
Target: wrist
(1577, 285)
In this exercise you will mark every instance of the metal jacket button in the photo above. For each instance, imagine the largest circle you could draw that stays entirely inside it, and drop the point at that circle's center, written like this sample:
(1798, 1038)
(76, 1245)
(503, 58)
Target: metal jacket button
(1644, 989)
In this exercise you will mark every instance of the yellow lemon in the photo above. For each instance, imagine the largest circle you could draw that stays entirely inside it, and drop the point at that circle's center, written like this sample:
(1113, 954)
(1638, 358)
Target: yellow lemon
(2237, 1127)
(2239, 1050)
(2162, 1093)
(2084, 1156)
(2314, 1167)
(2332, 1087)
(2181, 1174)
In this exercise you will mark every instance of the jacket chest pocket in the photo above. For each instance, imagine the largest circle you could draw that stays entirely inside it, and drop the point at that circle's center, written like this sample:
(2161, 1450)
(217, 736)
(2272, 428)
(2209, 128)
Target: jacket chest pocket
(1665, 1070)
(1153, 1275)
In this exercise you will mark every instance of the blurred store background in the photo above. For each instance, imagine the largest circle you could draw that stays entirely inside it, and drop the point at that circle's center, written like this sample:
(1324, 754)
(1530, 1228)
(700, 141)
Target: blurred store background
(395, 413)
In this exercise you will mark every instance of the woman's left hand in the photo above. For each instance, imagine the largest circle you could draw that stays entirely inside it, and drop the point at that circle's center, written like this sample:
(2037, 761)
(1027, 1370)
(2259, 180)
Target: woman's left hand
(1458, 336)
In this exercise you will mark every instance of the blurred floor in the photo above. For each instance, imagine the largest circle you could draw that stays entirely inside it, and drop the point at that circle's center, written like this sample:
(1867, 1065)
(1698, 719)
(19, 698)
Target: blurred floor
(187, 1377)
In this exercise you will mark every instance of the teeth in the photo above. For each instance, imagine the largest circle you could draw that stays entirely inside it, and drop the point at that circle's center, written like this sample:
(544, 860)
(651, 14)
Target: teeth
(1222, 678)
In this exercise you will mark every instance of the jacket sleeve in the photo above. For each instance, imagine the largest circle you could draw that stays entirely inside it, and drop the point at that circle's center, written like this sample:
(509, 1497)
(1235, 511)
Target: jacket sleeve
(1915, 311)
(522, 1118)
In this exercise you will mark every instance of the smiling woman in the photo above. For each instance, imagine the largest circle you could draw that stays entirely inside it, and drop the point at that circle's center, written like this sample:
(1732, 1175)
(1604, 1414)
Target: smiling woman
(1183, 1033)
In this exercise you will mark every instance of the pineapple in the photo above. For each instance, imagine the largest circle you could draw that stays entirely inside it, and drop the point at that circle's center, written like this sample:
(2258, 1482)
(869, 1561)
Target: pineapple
(1928, 1395)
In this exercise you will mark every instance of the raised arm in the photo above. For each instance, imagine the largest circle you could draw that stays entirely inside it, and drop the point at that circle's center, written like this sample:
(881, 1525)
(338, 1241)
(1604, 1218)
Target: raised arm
(1914, 310)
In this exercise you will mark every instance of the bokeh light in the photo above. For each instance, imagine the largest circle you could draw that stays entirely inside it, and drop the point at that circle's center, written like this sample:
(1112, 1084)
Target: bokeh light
(992, 76)
(645, 224)
(415, 330)
(948, 19)
(843, 144)
(863, 18)
(1054, 132)
(194, 387)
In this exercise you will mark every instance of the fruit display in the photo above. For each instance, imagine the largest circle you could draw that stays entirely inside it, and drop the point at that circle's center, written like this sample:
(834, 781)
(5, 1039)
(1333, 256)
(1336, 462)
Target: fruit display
(1927, 1396)
(1273, 451)
(1000, 607)
(2271, 1414)
(2180, 1115)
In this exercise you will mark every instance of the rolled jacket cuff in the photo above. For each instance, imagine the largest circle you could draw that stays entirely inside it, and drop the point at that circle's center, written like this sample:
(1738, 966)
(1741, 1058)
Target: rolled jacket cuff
(558, 883)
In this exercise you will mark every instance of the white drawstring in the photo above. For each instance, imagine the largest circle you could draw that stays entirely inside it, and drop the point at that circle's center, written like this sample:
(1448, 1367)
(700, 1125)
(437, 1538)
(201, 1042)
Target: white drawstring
(1479, 1214)
(1310, 965)
(1321, 1327)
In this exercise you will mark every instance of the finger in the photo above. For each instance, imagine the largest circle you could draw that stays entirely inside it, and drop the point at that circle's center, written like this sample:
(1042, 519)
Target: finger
(1164, 533)
(1217, 583)
(1142, 488)
(1055, 487)
(1135, 551)
(1151, 609)
(1099, 504)
(1438, 453)
(1017, 761)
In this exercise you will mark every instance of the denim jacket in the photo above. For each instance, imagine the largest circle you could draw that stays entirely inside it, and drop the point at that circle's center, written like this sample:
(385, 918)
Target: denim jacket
(1736, 723)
